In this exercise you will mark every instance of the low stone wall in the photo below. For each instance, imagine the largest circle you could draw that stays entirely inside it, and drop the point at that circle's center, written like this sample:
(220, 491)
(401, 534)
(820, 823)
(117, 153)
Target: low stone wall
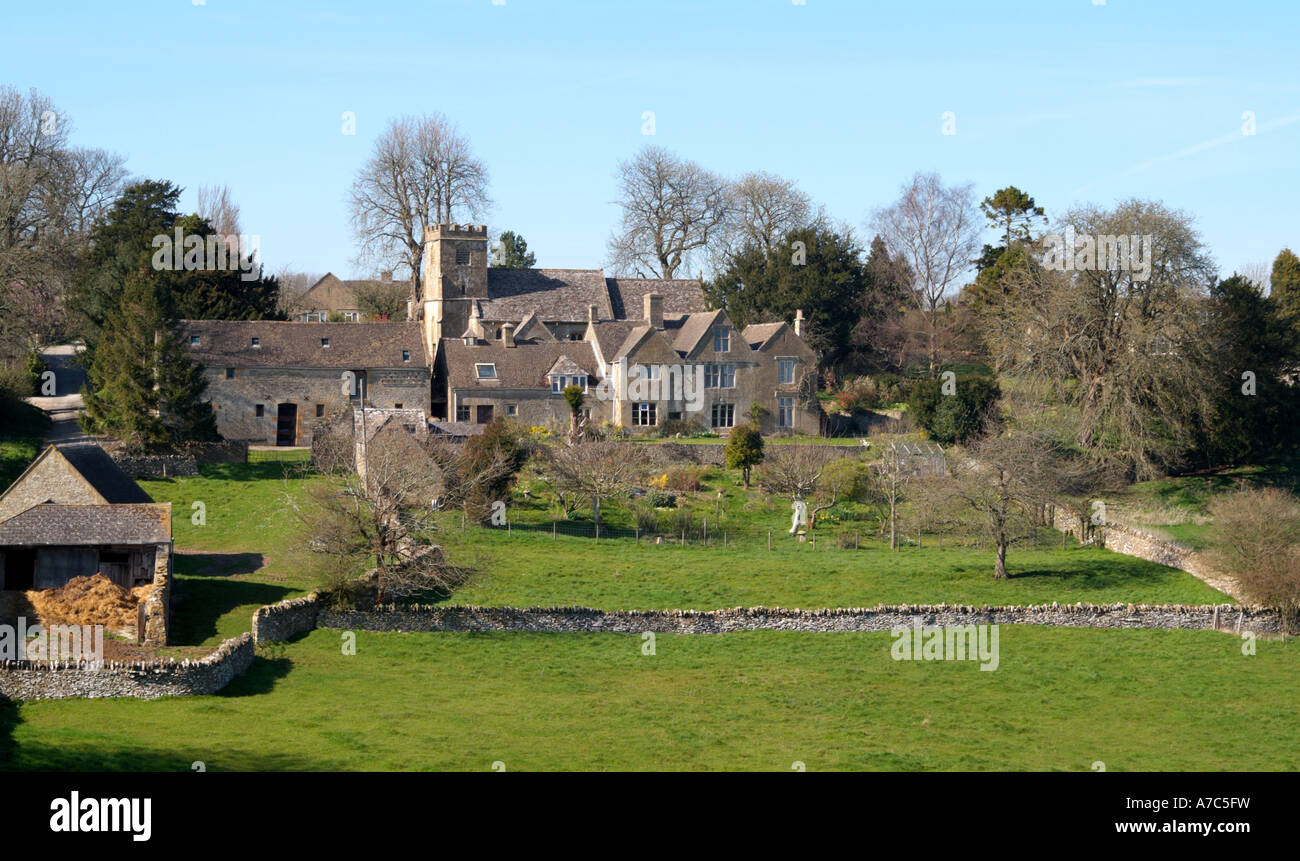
(41, 680)
(1143, 545)
(281, 621)
(184, 461)
(586, 619)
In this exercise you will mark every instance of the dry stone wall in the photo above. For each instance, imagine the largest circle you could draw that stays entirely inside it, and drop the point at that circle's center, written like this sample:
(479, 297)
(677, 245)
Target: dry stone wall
(52, 680)
(281, 621)
(586, 619)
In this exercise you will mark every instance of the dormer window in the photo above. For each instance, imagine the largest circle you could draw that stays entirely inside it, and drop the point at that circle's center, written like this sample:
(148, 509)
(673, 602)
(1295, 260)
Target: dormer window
(324, 342)
(560, 382)
(194, 340)
(722, 339)
(257, 342)
(485, 370)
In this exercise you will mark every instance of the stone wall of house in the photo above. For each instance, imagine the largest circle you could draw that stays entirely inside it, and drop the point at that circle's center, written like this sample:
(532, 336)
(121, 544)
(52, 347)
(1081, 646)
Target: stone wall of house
(585, 619)
(41, 680)
(236, 400)
(276, 622)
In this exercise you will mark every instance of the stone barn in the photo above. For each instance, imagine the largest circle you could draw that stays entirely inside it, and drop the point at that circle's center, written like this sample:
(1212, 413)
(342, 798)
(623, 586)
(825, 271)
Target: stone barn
(74, 513)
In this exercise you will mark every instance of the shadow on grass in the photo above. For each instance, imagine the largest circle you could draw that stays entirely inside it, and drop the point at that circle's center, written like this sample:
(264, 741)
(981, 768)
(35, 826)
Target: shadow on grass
(218, 564)
(261, 678)
(1094, 575)
(199, 602)
(263, 470)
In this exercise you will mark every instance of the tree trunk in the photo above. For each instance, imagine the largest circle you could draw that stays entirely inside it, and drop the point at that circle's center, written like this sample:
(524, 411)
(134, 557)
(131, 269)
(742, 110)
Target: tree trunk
(1000, 566)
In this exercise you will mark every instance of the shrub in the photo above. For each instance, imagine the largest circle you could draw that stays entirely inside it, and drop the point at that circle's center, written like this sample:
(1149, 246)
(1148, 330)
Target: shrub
(685, 480)
(685, 427)
(661, 499)
(956, 417)
(646, 518)
(1256, 536)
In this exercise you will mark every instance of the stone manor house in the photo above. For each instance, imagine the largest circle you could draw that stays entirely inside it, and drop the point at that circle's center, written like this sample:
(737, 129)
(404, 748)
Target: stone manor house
(483, 343)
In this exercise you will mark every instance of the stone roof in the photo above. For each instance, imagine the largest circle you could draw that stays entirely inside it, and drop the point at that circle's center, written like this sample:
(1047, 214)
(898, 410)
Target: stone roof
(610, 335)
(553, 294)
(228, 343)
(519, 367)
(693, 331)
(681, 296)
(103, 474)
(332, 293)
(53, 525)
(109, 484)
(758, 334)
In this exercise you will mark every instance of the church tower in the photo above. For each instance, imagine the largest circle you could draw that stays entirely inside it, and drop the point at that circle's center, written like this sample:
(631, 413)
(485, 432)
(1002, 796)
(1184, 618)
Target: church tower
(454, 275)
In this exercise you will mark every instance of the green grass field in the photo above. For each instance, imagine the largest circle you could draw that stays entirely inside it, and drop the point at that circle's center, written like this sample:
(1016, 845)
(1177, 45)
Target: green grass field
(527, 569)
(22, 428)
(1060, 700)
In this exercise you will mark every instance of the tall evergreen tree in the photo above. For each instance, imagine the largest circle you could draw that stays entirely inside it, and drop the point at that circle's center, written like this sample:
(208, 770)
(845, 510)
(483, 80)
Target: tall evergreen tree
(1286, 285)
(513, 253)
(814, 269)
(144, 389)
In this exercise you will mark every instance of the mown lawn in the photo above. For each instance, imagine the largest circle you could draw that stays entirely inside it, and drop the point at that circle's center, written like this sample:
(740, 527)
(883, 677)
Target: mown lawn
(245, 551)
(1061, 699)
(527, 569)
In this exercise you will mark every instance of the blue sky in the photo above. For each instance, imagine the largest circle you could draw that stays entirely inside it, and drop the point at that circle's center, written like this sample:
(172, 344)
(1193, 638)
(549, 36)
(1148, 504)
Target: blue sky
(1071, 101)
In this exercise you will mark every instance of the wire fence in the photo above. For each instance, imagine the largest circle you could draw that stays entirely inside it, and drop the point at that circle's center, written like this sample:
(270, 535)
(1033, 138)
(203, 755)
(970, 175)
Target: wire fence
(704, 533)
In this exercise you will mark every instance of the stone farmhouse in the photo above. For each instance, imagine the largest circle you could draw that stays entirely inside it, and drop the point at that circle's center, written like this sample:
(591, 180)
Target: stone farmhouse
(333, 295)
(485, 343)
(74, 513)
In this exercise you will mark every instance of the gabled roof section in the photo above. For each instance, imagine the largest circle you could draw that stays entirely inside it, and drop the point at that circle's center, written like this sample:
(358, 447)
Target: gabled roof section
(759, 335)
(531, 328)
(552, 294)
(229, 343)
(609, 335)
(44, 480)
(565, 365)
(693, 332)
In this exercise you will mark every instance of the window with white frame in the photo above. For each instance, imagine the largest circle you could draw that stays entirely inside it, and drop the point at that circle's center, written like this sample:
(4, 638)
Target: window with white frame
(785, 412)
(462, 414)
(719, 376)
(785, 371)
(722, 339)
(644, 415)
(724, 415)
(485, 370)
(351, 316)
(560, 382)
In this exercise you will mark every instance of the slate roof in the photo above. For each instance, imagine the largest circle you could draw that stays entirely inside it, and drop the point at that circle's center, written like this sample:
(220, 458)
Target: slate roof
(51, 525)
(758, 334)
(553, 294)
(681, 296)
(610, 335)
(522, 366)
(94, 465)
(693, 331)
(103, 474)
(228, 343)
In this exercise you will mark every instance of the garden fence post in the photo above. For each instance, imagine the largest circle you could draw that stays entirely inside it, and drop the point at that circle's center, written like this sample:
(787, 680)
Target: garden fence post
(769, 539)
(553, 530)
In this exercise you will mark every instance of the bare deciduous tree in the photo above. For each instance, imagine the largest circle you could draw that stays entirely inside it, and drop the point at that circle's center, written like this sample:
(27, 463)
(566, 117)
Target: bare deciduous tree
(217, 205)
(383, 523)
(816, 477)
(597, 469)
(764, 208)
(673, 209)
(422, 172)
(935, 230)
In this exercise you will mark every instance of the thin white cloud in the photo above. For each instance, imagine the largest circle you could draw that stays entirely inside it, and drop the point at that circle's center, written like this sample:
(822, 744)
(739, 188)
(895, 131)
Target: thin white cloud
(1203, 146)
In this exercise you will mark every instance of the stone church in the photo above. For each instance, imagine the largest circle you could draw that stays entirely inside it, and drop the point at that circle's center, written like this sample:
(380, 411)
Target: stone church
(484, 343)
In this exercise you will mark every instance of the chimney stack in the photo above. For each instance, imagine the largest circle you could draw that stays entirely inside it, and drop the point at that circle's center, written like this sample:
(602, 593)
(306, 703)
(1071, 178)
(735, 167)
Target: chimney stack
(508, 334)
(654, 310)
(798, 322)
(591, 313)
